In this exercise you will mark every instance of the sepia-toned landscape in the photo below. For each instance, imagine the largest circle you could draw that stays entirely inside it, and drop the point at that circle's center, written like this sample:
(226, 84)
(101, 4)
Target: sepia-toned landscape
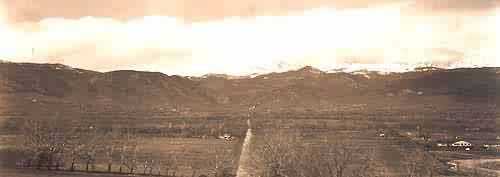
(58, 120)
(249, 88)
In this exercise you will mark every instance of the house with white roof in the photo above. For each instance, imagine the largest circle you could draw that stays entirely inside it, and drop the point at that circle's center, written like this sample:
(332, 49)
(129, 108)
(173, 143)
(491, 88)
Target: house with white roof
(461, 144)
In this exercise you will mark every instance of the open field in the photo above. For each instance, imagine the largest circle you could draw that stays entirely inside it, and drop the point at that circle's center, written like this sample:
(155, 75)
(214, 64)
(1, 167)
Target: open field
(480, 167)
(190, 154)
(193, 140)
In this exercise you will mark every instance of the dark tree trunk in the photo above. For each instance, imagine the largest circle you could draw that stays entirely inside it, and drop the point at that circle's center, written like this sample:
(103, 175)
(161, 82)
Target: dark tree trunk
(72, 168)
(39, 163)
(49, 162)
(57, 164)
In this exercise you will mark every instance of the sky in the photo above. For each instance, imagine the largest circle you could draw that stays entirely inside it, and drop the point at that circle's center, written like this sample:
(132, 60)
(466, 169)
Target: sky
(192, 37)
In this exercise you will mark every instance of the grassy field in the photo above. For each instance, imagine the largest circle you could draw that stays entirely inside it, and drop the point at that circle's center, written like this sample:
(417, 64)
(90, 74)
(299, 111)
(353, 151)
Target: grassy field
(192, 140)
(190, 154)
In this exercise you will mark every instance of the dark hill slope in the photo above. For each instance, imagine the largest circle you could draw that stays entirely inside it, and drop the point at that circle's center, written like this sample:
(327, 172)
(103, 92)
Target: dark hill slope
(62, 88)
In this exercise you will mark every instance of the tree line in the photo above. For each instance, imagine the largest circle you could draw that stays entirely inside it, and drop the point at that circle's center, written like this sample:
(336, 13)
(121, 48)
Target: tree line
(284, 155)
(50, 145)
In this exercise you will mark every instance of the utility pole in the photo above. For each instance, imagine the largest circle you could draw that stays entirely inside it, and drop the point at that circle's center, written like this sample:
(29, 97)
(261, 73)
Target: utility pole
(30, 11)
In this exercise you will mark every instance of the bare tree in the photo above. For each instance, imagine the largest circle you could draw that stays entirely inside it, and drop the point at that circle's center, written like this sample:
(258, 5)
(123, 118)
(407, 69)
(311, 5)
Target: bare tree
(284, 155)
(110, 147)
(147, 164)
(73, 150)
(195, 166)
(309, 162)
(89, 142)
(366, 164)
(338, 157)
(169, 163)
(276, 155)
(130, 147)
(126, 149)
(221, 161)
(44, 141)
(418, 163)
(122, 150)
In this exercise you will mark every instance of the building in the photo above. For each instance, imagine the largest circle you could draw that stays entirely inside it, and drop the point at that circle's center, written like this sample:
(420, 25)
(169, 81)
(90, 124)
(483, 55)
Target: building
(452, 166)
(440, 144)
(461, 144)
(227, 137)
(494, 147)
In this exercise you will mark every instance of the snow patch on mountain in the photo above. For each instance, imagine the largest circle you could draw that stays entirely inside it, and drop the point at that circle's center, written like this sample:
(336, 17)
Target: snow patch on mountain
(362, 73)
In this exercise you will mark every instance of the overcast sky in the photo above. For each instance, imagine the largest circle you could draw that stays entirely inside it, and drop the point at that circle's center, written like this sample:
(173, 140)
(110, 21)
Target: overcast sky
(193, 37)
(34, 10)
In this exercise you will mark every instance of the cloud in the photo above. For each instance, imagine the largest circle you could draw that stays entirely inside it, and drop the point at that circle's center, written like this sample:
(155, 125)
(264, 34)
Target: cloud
(456, 5)
(326, 38)
(36, 10)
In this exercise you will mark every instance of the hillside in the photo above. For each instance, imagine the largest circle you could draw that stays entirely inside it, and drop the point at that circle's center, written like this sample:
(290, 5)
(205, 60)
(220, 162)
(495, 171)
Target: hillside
(41, 89)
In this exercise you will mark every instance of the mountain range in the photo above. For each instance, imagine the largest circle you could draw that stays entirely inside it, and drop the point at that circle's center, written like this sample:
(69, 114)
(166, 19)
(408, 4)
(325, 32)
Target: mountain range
(37, 89)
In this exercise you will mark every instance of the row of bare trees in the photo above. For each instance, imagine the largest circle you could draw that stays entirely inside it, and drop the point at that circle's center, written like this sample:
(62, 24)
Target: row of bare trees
(43, 144)
(50, 144)
(282, 155)
(419, 163)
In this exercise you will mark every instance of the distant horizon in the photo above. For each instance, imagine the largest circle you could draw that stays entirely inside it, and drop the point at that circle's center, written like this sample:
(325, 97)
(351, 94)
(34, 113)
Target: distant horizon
(334, 70)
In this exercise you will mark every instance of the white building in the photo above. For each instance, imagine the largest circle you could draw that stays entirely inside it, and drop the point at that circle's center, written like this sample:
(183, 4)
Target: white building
(442, 145)
(227, 137)
(461, 144)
